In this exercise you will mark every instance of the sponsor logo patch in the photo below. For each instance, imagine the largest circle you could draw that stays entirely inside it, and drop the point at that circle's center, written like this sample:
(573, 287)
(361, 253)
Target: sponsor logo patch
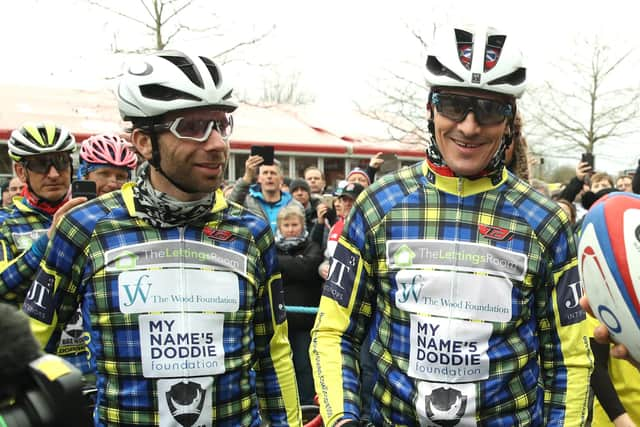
(342, 275)
(494, 233)
(568, 295)
(39, 299)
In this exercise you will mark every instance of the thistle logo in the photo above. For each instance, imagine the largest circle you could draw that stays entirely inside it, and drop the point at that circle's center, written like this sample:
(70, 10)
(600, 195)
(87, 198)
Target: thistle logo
(403, 257)
(140, 289)
(185, 401)
(126, 261)
(445, 406)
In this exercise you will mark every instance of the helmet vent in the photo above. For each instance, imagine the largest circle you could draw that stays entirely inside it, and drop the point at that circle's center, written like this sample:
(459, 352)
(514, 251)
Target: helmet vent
(213, 70)
(163, 93)
(493, 51)
(516, 78)
(464, 39)
(187, 67)
(435, 67)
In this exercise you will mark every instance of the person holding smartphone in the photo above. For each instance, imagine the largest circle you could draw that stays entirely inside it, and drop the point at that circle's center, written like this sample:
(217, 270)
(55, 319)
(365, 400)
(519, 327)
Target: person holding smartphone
(42, 156)
(107, 160)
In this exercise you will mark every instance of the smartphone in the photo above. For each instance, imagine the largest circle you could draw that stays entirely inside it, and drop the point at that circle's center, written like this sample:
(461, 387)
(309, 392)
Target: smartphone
(266, 151)
(82, 188)
(588, 158)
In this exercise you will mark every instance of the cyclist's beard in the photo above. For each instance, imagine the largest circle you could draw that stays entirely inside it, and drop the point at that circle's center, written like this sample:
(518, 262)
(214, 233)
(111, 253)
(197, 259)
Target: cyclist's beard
(162, 210)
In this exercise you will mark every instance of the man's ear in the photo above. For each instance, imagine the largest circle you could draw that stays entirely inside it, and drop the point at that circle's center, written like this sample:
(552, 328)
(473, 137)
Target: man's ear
(21, 171)
(142, 142)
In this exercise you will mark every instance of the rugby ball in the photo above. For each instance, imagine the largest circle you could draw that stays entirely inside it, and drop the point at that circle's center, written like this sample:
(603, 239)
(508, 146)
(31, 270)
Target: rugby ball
(609, 265)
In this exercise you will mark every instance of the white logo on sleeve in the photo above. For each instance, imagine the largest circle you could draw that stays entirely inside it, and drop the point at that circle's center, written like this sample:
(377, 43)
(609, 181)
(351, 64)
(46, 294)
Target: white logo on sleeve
(181, 345)
(448, 350)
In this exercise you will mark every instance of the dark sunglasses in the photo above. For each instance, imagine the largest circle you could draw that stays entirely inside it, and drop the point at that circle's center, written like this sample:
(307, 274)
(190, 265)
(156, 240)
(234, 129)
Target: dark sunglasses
(42, 164)
(486, 111)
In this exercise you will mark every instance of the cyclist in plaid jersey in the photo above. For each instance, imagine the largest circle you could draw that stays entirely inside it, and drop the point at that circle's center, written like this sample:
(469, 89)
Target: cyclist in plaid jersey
(42, 160)
(179, 289)
(464, 277)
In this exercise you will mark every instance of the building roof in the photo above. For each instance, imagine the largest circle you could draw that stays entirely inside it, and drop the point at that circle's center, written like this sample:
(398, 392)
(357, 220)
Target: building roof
(288, 128)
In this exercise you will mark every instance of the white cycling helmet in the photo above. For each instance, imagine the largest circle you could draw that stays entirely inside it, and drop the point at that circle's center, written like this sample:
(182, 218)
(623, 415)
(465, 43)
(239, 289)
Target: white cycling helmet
(476, 58)
(164, 81)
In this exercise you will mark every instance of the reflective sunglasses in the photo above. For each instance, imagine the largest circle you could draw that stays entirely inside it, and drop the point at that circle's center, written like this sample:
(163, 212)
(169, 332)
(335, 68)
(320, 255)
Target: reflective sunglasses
(42, 164)
(197, 129)
(486, 111)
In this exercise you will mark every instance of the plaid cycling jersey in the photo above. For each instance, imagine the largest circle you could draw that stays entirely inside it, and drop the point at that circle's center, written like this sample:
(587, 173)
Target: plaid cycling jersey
(469, 291)
(23, 225)
(187, 324)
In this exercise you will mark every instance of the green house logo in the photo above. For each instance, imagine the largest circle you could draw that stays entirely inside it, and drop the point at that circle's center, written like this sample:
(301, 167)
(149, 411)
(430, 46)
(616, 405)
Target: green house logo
(126, 261)
(24, 242)
(403, 257)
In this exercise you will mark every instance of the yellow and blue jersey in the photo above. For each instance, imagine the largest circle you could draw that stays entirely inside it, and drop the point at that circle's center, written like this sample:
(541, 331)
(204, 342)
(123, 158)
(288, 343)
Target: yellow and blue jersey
(469, 292)
(185, 323)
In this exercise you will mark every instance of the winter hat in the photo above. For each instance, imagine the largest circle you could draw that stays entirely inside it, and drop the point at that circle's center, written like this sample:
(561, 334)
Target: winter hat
(351, 190)
(359, 171)
(299, 183)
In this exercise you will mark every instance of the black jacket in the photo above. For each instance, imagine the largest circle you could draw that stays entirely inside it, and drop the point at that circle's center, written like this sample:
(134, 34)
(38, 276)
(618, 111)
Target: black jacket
(302, 284)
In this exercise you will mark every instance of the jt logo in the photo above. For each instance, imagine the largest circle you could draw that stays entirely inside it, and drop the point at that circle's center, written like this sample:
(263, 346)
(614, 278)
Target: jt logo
(138, 291)
(573, 299)
(37, 293)
(411, 289)
(337, 271)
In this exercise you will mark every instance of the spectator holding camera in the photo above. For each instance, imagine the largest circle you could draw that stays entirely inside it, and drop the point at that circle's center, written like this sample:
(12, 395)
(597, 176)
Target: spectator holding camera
(265, 197)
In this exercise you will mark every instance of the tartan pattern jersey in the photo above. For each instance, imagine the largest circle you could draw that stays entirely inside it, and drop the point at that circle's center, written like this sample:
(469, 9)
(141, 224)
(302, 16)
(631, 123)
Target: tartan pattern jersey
(469, 291)
(187, 324)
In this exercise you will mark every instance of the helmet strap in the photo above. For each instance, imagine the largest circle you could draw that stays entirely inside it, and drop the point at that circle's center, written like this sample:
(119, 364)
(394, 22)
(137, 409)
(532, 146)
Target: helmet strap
(155, 162)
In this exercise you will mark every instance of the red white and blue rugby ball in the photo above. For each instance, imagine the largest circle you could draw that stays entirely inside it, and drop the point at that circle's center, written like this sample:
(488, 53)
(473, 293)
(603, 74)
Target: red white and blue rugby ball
(609, 264)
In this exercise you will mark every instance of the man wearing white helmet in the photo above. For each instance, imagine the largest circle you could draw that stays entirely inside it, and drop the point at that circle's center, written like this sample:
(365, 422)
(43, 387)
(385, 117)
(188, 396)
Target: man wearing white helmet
(463, 276)
(179, 289)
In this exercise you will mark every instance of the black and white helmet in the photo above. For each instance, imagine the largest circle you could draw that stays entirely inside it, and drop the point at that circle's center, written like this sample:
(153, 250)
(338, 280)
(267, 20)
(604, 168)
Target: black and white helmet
(476, 58)
(164, 81)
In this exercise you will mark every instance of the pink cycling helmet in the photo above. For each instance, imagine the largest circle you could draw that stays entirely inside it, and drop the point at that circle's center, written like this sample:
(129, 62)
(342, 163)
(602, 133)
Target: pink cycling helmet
(108, 150)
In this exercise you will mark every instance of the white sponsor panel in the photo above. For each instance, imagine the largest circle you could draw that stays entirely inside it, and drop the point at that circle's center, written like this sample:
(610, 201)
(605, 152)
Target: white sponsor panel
(455, 294)
(175, 289)
(174, 253)
(185, 402)
(181, 344)
(448, 350)
(459, 256)
(440, 404)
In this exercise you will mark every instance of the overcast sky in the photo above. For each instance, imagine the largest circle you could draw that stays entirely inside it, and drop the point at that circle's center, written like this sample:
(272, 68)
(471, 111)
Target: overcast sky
(339, 48)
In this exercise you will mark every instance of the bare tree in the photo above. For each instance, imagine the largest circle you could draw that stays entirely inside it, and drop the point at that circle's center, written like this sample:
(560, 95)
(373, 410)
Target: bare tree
(585, 105)
(163, 20)
(284, 89)
(403, 94)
